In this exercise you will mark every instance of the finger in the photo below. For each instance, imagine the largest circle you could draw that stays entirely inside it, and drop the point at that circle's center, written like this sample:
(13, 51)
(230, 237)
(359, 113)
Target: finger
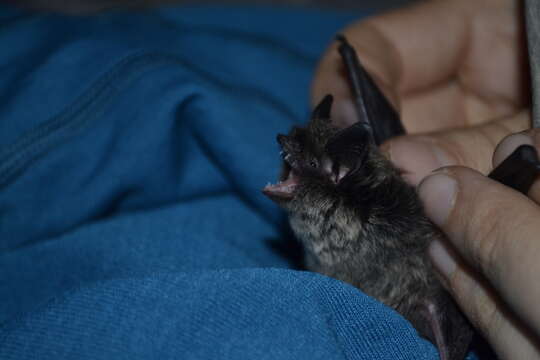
(495, 229)
(472, 32)
(388, 45)
(418, 155)
(509, 337)
(379, 46)
(512, 142)
(402, 51)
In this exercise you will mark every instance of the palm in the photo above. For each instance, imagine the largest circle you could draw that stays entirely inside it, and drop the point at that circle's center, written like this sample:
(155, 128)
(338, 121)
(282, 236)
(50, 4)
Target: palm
(458, 71)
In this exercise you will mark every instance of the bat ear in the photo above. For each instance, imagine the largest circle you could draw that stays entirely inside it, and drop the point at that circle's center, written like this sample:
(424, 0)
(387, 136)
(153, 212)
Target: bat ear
(322, 111)
(348, 149)
(320, 121)
(372, 107)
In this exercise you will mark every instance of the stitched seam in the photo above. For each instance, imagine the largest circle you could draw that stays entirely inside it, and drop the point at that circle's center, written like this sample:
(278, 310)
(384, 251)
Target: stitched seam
(30, 146)
(35, 142)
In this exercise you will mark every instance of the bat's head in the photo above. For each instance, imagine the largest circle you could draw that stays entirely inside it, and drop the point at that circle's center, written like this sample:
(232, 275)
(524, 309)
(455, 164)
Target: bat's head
(322, 162)
(341, 193)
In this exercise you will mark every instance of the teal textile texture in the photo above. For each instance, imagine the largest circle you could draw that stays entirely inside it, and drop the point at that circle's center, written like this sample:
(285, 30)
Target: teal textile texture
(133, 147)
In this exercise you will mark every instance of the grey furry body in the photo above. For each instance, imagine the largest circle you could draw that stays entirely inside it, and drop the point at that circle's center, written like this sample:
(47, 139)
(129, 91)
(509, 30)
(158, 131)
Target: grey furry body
(380, 249)
(360, 222)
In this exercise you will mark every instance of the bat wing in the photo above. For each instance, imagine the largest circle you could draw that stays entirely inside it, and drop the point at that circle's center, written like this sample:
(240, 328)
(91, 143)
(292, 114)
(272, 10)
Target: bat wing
(519, 170)
(373, 109)
(440, 321)
(451, 331)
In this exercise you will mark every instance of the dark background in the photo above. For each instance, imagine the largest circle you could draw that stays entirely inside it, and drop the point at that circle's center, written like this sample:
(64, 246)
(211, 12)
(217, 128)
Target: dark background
(89, 6)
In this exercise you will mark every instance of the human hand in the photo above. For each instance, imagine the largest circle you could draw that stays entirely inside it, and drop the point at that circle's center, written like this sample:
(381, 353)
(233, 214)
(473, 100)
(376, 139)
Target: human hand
(491, 262)
(445, 64)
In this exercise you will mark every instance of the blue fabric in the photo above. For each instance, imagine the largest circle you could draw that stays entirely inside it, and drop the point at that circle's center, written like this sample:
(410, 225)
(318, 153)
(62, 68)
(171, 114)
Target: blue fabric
(133, 148)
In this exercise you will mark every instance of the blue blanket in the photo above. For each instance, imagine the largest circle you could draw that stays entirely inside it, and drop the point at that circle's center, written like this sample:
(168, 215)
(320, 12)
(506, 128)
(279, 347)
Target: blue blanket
(133, 148)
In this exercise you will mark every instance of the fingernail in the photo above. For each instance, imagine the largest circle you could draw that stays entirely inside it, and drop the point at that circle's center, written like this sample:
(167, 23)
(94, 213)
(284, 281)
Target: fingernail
(508, 145)
(442, 259)
(417, 157)
(438, 193)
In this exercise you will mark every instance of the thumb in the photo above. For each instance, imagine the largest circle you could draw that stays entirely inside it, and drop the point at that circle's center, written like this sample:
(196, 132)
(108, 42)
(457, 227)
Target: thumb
(494, 229)
(418, 155)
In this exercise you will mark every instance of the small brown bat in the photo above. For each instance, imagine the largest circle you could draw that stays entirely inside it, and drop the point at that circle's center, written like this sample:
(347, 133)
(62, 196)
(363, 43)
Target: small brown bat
(361, 223)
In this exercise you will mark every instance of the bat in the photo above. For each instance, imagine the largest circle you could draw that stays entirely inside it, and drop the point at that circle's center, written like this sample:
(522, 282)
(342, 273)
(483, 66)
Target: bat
(361, 223)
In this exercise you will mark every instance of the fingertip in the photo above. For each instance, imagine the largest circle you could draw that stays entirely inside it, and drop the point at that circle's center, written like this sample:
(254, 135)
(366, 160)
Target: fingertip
(438, 192)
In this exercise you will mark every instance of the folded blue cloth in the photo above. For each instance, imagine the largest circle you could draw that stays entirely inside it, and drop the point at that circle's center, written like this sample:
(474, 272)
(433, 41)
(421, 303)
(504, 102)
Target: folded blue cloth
(133, 147)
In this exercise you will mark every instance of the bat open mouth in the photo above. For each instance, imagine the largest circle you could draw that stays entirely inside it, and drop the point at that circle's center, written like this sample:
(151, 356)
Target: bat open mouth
(284, 189)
